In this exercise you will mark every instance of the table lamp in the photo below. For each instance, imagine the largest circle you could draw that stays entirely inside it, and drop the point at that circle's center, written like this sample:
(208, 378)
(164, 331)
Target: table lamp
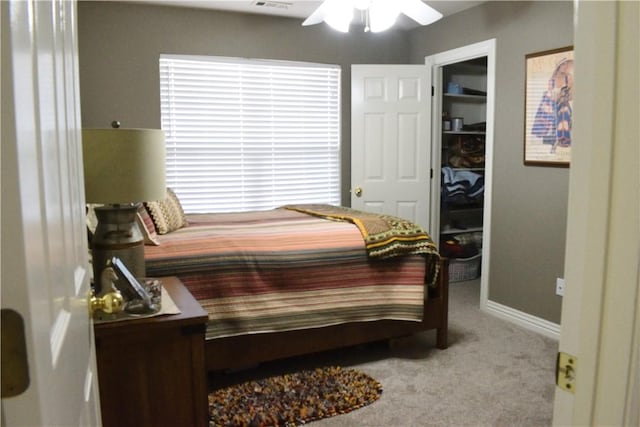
(122, 168)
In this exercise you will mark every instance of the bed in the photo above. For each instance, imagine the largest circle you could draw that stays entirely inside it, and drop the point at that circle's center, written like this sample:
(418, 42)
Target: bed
(303, 278)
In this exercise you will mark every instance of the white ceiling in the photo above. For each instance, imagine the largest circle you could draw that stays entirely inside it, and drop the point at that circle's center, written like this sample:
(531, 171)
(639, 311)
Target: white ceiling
(291, 8)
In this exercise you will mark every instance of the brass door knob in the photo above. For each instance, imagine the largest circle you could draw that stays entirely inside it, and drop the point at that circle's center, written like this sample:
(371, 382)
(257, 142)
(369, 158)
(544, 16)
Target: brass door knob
(357, 191)
(111, 302)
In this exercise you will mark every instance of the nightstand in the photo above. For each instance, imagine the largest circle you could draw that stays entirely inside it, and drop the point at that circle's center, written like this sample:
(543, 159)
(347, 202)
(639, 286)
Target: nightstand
(151, 371)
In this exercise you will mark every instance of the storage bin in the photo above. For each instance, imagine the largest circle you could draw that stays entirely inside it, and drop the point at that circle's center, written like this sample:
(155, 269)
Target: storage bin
(461, 269)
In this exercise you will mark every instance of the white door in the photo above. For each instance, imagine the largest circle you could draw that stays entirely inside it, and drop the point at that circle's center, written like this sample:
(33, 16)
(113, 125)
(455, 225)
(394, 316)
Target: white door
(601, 306)
(45, 271)
(390, 142)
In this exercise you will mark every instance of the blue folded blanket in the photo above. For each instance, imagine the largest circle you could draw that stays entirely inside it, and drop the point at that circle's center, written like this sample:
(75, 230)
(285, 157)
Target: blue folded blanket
(465, 183)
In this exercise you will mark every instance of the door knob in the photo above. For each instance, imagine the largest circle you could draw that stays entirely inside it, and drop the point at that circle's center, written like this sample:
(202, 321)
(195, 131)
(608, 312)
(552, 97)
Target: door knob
(110, 303)
(357, 191)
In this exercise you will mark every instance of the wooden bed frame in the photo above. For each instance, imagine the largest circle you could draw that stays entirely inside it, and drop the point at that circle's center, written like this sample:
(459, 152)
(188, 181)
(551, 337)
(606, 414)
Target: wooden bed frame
(246, 350)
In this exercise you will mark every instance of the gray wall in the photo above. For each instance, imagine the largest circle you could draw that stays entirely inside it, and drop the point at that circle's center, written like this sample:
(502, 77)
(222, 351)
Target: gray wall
(529, 204)
(120, 45)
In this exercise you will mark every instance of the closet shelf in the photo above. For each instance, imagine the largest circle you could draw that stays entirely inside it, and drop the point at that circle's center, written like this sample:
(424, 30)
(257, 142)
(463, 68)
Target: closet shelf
(468, 169)
(472, 207)
(448, 230)
(463, 132)
(464, 96)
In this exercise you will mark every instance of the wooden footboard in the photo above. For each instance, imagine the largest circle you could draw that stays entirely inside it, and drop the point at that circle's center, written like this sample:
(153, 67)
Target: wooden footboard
(247, 350)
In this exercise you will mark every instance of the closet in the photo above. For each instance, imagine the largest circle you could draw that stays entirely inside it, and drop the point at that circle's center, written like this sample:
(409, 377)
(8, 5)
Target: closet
(462, 152)
(462, 141)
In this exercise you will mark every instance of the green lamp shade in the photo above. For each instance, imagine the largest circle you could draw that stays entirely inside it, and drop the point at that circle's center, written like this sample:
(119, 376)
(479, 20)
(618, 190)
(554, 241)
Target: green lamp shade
(123, 165)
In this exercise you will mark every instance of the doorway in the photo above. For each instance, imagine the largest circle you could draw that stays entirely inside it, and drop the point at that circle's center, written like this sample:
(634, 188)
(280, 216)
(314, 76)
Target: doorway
(462, 152)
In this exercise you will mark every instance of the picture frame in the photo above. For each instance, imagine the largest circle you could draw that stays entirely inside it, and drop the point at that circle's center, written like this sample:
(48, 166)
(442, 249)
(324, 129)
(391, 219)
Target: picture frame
(548, 107)
(138, 300)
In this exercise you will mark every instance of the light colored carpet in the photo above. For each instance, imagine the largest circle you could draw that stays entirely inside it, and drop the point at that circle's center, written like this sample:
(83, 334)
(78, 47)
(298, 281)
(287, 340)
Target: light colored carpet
(493, 373)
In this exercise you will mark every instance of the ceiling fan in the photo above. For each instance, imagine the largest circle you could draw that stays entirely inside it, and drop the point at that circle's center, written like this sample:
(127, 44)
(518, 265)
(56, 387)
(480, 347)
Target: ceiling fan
(377, 15)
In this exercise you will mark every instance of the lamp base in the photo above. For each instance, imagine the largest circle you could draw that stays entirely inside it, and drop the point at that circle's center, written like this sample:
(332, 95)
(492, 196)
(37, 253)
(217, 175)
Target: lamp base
(117, 235)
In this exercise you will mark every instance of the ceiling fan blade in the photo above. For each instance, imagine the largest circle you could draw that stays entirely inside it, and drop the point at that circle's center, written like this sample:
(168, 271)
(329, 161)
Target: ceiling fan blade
(316, 17)
(422, 13)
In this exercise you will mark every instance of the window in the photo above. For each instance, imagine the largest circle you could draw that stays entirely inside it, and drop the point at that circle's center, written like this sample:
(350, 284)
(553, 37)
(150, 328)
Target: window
(250, 134)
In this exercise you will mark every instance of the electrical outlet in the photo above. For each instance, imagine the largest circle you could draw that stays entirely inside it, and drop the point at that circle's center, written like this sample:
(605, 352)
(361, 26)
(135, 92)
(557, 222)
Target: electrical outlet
(560, 286)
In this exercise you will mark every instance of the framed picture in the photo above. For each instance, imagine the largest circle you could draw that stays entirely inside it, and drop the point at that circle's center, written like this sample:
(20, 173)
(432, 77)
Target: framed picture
(548, 107)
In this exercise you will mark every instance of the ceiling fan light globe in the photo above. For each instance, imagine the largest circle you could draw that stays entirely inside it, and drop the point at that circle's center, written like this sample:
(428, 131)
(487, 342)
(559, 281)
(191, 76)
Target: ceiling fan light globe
(338, 24)
(382, 15)
(338, 15)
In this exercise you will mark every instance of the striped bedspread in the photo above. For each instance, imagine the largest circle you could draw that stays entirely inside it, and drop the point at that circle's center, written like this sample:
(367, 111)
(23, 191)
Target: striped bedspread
(278, 270)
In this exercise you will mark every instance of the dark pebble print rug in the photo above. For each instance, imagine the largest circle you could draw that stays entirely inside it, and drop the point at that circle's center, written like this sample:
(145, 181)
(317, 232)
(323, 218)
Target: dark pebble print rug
(292, 399)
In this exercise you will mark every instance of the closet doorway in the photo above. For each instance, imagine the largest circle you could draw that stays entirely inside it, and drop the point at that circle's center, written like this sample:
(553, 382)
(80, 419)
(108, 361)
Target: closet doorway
(462, 153)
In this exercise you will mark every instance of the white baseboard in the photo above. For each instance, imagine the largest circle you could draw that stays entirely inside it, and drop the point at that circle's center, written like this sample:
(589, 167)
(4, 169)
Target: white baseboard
(527, 321)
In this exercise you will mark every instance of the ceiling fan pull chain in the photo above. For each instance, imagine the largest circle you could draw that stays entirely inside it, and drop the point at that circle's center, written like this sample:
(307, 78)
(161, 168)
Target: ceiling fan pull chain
(366, 19)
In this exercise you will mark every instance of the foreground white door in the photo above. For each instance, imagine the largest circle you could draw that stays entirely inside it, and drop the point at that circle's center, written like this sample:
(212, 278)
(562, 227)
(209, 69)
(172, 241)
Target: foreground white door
(390, 142)
(601, 306)
(45, 273)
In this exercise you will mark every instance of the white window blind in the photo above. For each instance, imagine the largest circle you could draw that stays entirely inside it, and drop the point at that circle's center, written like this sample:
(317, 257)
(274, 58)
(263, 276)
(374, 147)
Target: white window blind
(250, 134)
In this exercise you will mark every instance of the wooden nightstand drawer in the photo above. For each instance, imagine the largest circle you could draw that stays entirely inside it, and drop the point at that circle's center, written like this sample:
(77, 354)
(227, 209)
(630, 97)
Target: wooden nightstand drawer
(151, 371)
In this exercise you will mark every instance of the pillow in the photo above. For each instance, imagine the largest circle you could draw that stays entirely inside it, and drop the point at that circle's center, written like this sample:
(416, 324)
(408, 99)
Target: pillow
(167, 214)
(147, 227)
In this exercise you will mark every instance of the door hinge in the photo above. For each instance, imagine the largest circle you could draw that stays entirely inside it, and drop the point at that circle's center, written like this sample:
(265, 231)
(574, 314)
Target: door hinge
(433, 91)
(566, 368)
(431, 173)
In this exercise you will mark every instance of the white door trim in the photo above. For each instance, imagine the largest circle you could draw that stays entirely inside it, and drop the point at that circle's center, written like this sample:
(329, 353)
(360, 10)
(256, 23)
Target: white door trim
(436, 62)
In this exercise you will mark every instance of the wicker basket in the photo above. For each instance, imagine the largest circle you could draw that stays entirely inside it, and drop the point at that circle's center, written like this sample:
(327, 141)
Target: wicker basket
(461, 269)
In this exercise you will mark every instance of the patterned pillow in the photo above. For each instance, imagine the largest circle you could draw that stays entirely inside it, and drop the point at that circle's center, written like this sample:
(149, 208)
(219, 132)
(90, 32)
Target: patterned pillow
(147, 227)
(167, 214)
